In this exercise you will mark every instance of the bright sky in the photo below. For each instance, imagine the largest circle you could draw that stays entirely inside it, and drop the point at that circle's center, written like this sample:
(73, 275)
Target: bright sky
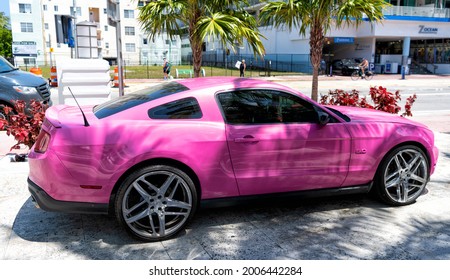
(4, 7)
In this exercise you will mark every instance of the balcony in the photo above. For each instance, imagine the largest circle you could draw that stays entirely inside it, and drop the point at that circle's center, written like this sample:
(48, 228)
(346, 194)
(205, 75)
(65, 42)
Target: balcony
(428, 12)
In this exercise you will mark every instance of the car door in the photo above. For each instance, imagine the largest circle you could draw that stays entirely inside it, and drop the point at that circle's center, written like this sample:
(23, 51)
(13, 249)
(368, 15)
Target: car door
(277, 145)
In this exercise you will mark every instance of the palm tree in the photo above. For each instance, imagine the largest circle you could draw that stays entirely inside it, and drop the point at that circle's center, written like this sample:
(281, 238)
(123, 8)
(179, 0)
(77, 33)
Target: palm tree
(319, 16)
(223, 20)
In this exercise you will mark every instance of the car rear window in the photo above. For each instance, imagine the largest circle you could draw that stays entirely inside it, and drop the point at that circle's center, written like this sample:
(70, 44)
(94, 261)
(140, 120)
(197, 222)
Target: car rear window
(131, 100)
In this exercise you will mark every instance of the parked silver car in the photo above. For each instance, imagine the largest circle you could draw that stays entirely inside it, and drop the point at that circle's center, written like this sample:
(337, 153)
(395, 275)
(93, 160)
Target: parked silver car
(16, 84)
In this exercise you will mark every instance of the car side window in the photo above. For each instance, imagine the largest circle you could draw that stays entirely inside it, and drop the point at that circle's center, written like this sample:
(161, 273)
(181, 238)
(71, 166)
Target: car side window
(187, 108)
(264, 107)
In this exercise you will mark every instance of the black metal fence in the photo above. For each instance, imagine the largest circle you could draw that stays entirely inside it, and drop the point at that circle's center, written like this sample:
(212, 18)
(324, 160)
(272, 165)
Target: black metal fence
(270, 63)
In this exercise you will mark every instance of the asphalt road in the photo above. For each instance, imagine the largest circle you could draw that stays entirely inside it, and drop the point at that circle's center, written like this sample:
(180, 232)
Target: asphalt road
(339, 228)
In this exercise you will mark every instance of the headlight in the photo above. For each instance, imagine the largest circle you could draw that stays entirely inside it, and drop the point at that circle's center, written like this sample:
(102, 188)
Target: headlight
(25, 90)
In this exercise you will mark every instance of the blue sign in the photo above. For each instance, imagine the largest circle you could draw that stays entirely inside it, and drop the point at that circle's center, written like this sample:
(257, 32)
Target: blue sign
(344, 40)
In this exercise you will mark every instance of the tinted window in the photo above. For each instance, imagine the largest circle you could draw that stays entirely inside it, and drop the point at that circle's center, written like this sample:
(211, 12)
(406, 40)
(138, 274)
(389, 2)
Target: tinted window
(5, 66)
(128, 101)
(265, 106)
(181, 109)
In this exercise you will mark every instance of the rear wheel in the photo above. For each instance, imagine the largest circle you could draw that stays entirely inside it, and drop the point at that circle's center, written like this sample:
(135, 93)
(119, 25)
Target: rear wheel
(156, 202)
(402, 176)
(355, 76)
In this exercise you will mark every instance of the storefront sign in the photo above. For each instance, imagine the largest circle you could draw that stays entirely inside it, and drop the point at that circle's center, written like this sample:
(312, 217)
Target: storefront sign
(428, 30)
(24, 48)
(344, 40)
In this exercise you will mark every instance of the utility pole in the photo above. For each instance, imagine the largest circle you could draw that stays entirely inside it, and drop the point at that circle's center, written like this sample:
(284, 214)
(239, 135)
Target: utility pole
(113, 11)
(119, 48)
(74, 14)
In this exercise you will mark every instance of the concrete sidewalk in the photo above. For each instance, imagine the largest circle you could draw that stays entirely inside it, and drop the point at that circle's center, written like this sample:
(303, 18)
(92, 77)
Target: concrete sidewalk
(339, 228)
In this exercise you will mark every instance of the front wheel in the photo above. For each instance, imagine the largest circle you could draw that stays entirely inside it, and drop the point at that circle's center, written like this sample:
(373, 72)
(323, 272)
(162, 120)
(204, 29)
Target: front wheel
(402, 176)
(368, 76)
(355, 75)
(156, 202)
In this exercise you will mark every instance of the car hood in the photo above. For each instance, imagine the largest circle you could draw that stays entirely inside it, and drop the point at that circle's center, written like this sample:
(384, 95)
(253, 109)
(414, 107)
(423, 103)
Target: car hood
(370, 115)
(22, 78)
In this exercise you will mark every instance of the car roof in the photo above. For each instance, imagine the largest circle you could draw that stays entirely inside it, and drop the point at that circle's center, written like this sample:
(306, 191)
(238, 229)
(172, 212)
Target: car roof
(225, 83)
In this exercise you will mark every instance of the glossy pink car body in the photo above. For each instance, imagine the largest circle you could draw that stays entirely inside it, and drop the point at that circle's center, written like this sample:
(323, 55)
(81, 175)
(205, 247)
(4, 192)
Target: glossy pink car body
(84, 166)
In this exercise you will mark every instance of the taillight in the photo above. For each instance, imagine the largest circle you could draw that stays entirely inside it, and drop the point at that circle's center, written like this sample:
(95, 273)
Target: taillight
(42, 141)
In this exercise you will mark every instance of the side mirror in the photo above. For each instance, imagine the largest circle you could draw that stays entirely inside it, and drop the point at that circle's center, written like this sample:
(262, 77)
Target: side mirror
(324, 118)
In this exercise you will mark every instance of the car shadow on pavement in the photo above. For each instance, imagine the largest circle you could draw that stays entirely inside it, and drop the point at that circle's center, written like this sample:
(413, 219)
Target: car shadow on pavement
(344, 227)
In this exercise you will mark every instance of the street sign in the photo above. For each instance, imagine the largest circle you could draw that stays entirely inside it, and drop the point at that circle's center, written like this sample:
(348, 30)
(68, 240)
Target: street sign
(344, 40)
(24, 48)
(111, 12)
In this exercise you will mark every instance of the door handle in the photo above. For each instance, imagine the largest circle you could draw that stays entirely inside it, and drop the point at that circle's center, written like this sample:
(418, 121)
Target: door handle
(246, 139)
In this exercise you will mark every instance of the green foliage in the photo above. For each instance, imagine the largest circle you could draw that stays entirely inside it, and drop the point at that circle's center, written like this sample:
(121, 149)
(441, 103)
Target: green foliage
(201, 20)
(5, 36)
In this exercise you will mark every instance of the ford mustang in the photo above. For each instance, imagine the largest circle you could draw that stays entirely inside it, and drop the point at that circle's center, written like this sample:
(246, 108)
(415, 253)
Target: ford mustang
(152, 157)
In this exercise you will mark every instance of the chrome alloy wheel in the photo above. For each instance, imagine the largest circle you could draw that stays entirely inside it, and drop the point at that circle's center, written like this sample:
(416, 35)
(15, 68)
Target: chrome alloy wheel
(405, 176)
(157, 204)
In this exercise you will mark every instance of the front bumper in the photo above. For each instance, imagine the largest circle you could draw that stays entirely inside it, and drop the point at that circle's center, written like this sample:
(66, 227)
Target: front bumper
(47, 203)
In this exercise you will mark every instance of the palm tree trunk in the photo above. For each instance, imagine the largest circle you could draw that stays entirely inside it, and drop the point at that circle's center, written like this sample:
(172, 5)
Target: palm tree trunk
(196, 42)
(316, 44)
(196, 57)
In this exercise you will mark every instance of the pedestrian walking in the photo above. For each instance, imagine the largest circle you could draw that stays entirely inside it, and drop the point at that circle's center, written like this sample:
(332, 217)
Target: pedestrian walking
(242, 68)
(166, 69)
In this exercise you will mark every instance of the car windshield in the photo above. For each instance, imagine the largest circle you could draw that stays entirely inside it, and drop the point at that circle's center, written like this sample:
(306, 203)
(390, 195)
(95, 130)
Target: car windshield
(340, 114)
(348, 61)
(5, 66)
(128, 101)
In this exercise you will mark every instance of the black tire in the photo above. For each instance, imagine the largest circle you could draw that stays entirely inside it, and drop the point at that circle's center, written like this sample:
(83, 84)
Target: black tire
(3, 116)
(355, 75)
(368, 76)
(402, 176)
(156, 202)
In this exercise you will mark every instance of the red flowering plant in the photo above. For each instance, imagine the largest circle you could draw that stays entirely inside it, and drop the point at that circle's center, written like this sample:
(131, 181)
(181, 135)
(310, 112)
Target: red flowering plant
(22, 122)
(382, 100)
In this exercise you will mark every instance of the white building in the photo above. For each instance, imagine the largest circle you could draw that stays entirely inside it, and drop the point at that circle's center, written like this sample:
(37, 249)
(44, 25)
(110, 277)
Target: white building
(415, 31)
(34, 21)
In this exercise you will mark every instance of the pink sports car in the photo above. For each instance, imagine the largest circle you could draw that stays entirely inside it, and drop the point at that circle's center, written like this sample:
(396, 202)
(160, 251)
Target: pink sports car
(152, 156)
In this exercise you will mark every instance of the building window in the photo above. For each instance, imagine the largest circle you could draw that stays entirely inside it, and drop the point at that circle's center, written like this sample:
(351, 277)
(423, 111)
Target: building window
(25, 8)
(46, 26)
(47, 44)
(29, 60)
(105, 11)
(145, 41)
(128, 13)
(78, 11)
(26, 27)
(44, 7)
(106, 27)
(140, 3)
(130, 47)
(55, 8)
(129, 30)
(107, 45)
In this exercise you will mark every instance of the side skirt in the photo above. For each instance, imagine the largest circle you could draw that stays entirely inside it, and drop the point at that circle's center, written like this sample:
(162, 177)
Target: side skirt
(240, 200)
